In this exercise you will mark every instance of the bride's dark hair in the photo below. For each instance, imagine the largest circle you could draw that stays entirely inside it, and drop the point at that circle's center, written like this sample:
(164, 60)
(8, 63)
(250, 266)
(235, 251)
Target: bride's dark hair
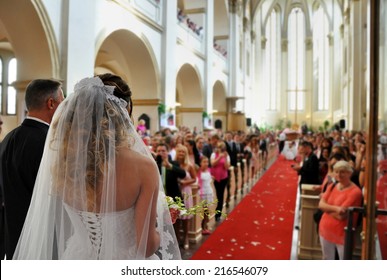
(121, 90)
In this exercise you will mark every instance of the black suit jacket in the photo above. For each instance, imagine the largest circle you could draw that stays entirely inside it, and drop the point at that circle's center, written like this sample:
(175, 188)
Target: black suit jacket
(207, 151)
(310, 171)
(171, 179)
(232, 152)
(20, 155)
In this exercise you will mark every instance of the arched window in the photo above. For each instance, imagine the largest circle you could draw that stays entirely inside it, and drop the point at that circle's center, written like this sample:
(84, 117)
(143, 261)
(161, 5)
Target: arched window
(296, 54)
(271, 69)
(8, 70)
(11, 94)
(321, 64)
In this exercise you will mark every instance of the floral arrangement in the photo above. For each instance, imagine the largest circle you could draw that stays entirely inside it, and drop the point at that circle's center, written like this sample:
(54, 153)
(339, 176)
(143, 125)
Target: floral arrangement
(177, 208)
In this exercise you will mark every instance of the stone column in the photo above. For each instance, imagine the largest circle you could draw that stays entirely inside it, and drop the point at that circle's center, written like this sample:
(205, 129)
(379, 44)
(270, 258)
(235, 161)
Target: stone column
(77, 42)
(168, 67)
(357, 66)
(233, 47)
(308, 94)
(209, 53)
(284, 80)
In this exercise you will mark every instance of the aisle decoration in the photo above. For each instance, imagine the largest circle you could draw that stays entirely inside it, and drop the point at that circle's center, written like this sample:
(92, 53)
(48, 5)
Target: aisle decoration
(177, 208)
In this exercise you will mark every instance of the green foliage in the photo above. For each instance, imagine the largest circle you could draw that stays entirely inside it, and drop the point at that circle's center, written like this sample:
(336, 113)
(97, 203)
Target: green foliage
(326, 125)
(202, 208)
(161, 108)
(280, 124)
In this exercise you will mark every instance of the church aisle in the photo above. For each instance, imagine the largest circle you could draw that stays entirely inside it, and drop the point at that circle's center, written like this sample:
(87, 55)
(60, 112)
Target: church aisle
(261, 226)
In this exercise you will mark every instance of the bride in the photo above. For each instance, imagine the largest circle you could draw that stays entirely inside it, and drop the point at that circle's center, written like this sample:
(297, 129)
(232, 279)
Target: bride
(92, 198)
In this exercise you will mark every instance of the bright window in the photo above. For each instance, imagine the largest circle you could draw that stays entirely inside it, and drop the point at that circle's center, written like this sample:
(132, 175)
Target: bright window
(321, 64)
(272, 69)
(11, 94)
(296, 52)
(8, 70)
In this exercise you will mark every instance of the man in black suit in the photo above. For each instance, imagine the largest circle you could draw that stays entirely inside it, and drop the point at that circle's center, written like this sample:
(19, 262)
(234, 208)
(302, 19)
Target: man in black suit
(309, 171)
(170, 171)
(20, 155)
(209, 147)
(232, 152)
(240, 146)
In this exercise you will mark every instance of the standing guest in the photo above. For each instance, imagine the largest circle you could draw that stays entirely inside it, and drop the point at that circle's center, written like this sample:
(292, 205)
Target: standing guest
(199, 140)
(21, 153)
(334, 203)
(263, 143)
(323, 163)
(193, 153)
(141, 127)
(211, 146)
(232, 152)
(309, 170)
(205, 190)
(169, 170)
(220, 163)
(281, 141)
(186, 187)
(239, 147)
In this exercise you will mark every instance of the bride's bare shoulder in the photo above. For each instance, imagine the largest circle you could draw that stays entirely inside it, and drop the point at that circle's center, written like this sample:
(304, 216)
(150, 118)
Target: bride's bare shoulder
(134, 159)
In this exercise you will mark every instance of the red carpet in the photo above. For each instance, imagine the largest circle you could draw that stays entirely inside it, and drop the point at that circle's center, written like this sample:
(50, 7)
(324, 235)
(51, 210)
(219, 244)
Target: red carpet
(261, 226)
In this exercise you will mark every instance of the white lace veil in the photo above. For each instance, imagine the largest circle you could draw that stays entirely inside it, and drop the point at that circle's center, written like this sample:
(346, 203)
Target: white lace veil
(79, 208)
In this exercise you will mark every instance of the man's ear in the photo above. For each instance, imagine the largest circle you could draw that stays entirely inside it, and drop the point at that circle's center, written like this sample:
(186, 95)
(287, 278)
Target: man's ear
(50, 103)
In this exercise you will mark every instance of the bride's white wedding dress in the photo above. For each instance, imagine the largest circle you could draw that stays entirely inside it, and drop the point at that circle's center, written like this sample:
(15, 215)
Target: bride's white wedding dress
(87, 242)
(74, 211)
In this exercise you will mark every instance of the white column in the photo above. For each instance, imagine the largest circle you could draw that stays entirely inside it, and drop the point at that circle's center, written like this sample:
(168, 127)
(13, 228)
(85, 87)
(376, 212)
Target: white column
(284, 107)
(357, 63)
(309, 98)
(209, 52)
(233, 49)
(77, 42)
(168, 67)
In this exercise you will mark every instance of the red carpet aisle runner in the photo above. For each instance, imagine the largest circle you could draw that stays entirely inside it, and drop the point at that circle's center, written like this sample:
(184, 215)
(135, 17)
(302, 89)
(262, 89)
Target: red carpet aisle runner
(261, 226)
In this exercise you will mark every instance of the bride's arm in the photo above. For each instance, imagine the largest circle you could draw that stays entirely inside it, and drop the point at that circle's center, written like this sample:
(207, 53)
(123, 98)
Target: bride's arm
(145, 213)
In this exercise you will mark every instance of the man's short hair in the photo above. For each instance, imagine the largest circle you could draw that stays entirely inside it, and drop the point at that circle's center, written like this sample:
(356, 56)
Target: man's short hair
(307, 144)
(163, 144)
(39, 90)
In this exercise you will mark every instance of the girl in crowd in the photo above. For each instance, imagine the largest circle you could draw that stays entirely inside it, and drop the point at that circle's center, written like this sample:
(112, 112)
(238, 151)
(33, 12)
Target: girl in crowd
(206, 193)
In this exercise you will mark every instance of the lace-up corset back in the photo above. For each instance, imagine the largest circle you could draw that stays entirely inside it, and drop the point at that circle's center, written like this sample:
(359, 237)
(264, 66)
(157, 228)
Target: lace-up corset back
(89, 231)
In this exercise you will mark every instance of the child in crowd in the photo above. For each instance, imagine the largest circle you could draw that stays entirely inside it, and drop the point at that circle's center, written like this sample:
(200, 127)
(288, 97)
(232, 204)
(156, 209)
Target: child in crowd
(206, 193)
(141, 127)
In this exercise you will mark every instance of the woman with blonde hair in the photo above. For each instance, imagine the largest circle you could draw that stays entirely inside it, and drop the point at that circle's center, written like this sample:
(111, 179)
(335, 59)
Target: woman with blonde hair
(186, 187)
(334, 203)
